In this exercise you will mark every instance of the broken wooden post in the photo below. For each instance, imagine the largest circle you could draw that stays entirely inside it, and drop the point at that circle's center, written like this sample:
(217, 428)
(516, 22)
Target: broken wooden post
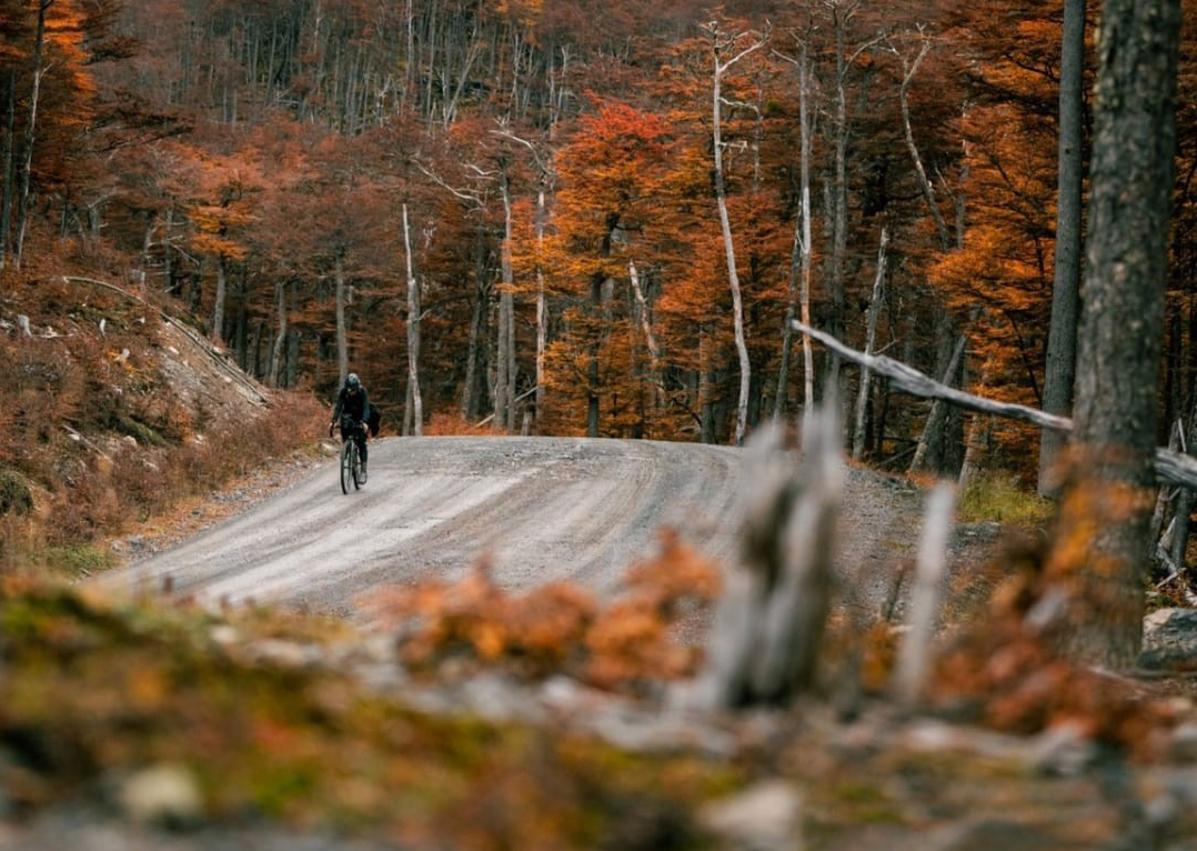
(770, 621)
(914, 656)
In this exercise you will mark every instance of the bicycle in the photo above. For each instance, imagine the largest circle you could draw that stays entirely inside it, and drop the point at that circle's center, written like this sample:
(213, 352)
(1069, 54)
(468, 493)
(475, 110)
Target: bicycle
(351, 457)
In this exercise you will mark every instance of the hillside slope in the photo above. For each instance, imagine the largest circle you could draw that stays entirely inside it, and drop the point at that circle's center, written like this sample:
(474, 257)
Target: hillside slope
(110, 410)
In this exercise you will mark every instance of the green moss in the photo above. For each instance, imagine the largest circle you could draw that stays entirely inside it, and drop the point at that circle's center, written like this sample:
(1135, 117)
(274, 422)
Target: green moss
(15, 495)
(997, 497)
(79, 560)
(141, 432)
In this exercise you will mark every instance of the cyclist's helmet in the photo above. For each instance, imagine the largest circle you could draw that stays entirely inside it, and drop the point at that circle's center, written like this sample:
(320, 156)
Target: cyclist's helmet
(352, 382)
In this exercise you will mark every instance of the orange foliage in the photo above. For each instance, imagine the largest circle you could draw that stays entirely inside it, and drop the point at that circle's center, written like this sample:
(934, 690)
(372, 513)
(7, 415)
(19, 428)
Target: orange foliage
(1008, 672)
(558, 628)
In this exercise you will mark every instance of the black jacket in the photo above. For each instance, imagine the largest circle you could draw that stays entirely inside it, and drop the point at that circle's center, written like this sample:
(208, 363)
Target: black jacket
(355, 405)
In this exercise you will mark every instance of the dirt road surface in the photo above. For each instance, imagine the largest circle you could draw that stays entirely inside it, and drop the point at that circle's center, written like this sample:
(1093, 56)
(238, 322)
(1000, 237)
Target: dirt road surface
(540, 509)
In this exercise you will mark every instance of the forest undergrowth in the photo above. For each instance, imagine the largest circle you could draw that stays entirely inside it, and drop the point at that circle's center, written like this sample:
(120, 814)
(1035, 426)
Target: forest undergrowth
(274, 717)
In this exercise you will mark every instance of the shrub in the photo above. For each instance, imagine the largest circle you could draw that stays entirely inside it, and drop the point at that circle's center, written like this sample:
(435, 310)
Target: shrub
(15, 496)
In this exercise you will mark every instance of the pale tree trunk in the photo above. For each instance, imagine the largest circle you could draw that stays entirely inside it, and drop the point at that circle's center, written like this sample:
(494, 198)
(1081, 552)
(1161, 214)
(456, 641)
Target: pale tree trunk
(801, 257)
(39, 45)
(909, 70)
(413, 335)
(862, 398)
(542, 313)
(505, 356)
(1060, 372)
(276, 355)
(650, 339)
(654, 350)
(932, 439)
(1121, 330)
(217, 331)
(720, 44)
(978, 438)
(342, 330)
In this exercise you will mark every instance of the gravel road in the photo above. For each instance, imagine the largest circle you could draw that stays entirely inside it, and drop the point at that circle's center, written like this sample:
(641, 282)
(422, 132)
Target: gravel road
(540, 508)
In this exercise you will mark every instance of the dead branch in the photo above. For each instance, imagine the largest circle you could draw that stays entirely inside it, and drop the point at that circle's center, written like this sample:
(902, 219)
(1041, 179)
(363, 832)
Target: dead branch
(1169, 466)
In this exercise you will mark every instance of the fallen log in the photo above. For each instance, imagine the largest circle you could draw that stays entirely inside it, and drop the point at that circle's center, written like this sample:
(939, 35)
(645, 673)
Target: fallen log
(1170, 466)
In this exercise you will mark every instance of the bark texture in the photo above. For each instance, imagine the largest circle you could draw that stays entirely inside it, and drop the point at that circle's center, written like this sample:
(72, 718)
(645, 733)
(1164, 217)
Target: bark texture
(1121, 328)
(1060, 373)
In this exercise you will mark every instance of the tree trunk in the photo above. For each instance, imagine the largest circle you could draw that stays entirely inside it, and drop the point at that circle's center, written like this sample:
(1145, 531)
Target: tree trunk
(293, 341)
(978, 438)
(733, 277)
(650, 339)
(802, 253)
(592, 365)
(1121, 326)
(542, 313)
(342, 329)
(217, 330)
(862, 399)
(1060, 372)
(147, 242)
(39, 45)
(505, 355)
(276, 355)
(706, 401)
(413, 335)
(167, 264)
(475, 378)
(909, 70)
(10, 131)
(839, 205)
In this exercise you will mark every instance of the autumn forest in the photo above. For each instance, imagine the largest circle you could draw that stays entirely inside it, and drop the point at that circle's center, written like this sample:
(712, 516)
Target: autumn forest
(528, 211)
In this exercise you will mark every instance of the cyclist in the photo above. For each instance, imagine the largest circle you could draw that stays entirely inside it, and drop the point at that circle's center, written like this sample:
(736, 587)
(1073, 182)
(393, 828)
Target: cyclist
(352, 411)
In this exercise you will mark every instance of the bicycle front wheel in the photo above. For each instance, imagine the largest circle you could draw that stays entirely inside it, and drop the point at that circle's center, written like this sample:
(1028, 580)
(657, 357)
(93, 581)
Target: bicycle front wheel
(347, 459)
(358, 478)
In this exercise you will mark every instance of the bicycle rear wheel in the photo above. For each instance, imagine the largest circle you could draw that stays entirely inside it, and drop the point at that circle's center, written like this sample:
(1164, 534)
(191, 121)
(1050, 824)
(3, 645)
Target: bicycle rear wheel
(348, 451)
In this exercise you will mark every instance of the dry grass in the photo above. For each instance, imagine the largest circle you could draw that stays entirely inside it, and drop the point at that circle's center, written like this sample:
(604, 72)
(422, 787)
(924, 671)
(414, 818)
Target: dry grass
(999, 497)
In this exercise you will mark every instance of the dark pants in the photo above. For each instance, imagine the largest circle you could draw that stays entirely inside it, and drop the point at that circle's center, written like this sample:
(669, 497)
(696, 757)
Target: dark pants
(357, 431)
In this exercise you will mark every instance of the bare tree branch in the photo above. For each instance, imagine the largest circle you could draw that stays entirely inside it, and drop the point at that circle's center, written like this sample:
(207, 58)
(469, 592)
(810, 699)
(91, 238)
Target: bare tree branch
(1170, 466)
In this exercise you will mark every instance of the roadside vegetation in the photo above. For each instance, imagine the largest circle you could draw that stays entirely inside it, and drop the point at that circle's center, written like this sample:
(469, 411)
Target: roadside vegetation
(95, 434)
